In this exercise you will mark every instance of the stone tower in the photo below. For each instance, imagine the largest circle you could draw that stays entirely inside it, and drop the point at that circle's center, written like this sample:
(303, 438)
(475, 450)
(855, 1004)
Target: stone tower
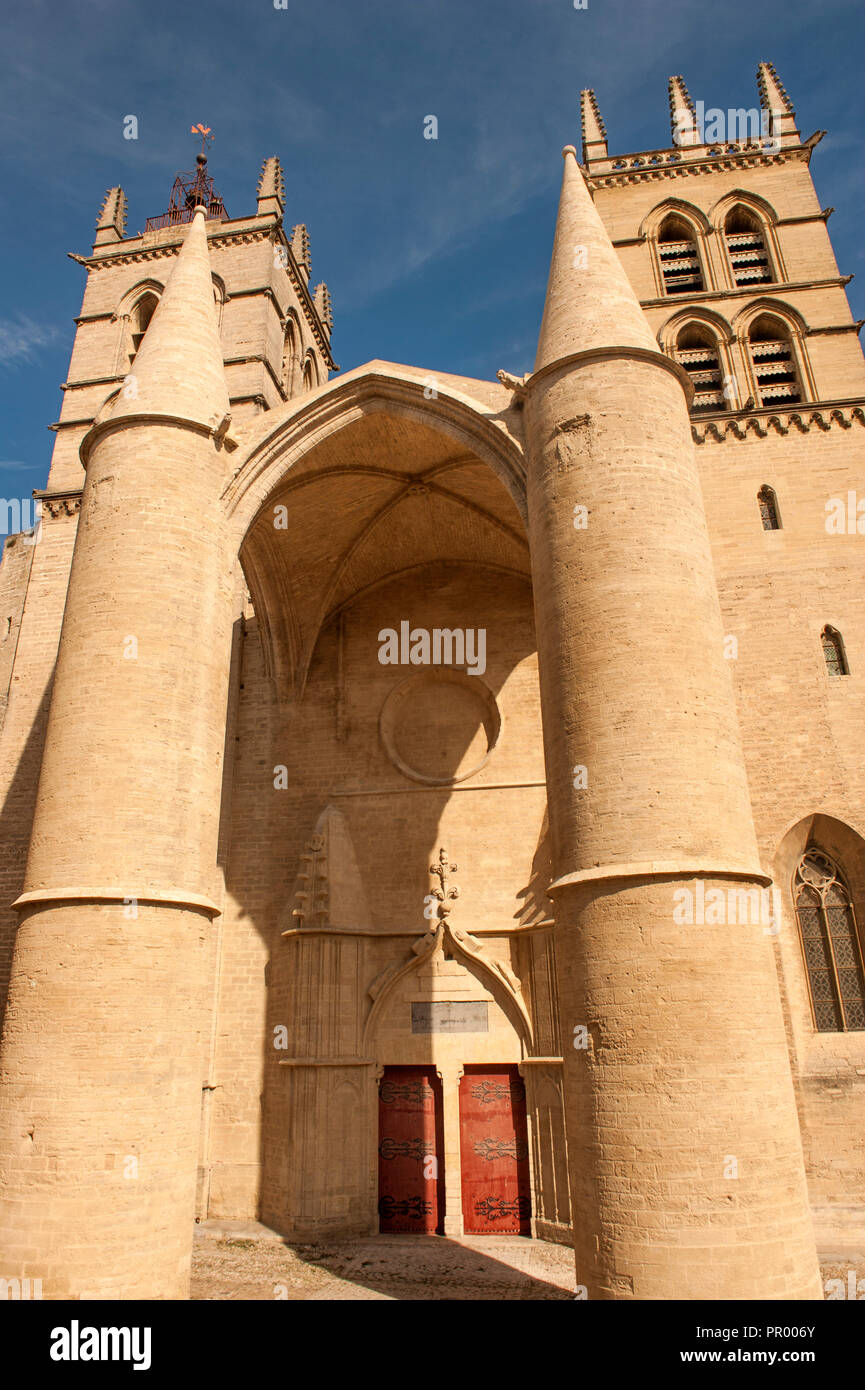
(102, 1039)
(647, 792)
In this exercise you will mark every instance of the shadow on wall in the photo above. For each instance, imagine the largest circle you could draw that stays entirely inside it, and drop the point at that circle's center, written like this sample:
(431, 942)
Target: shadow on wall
(16, 820)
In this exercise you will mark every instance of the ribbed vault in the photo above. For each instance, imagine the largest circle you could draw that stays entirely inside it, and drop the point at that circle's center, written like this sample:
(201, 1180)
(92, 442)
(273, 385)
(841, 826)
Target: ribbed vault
(384, 495)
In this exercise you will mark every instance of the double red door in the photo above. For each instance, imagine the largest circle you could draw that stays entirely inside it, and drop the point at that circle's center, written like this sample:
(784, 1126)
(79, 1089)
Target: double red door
(494, 1152)
(410, 1151)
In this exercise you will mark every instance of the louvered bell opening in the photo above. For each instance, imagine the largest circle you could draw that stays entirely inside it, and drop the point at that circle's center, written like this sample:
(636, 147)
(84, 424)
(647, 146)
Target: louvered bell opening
(680, 266)
(703, 367)
(749, 259)
(775, 371)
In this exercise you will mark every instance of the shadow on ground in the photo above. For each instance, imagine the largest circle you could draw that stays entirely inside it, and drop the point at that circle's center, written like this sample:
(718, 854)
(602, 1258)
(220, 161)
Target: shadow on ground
(259, 1264)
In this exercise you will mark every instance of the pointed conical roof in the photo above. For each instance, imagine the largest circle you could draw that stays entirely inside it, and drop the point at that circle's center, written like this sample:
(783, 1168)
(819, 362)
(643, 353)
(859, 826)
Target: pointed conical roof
(590, 302)
(178, 367)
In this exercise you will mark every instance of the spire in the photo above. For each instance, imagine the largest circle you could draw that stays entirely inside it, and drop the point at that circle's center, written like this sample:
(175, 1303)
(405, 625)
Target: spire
(111, 224)
(683, 118)
(775, 101)
(300, 247)
(322, 302)
(594, 130)
(271, 194)
(178, 368)
(590, 302)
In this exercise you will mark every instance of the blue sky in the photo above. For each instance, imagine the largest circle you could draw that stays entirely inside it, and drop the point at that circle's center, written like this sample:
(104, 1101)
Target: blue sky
(436, 252)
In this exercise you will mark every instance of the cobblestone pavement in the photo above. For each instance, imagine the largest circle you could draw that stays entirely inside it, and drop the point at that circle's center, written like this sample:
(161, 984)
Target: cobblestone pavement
(244, 1260)
(232, 1260)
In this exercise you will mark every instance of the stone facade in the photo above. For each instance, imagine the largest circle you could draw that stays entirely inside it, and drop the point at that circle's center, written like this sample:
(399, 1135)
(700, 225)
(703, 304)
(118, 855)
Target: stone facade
(223, 807)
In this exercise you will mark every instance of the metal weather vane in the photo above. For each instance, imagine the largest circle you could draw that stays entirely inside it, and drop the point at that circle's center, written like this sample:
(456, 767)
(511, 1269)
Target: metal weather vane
(207, 136)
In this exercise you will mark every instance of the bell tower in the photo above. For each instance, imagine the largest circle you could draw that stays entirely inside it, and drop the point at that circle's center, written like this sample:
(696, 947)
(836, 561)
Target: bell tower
(274, 324)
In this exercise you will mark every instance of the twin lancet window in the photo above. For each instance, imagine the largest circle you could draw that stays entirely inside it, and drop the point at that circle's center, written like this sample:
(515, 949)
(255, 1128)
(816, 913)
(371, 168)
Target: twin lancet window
(679, 252)
(831, 944)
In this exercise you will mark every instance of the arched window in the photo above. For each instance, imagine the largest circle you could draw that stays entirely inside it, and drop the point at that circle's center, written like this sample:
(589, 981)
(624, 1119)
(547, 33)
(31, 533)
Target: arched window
(698, 352)
(290, 355)
(680, 258)
(773, 361)
(768, 503)
(831, 944)
(309, 375)
(139, 319)
(833, 651)
(746, 247)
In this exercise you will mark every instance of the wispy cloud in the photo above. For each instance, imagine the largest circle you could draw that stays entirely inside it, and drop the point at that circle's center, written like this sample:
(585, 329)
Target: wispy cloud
(21, 339)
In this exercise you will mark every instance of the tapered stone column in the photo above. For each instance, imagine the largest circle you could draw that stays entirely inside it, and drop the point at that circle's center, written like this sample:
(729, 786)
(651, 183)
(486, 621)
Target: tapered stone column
(686, 1170)
(101, 1058)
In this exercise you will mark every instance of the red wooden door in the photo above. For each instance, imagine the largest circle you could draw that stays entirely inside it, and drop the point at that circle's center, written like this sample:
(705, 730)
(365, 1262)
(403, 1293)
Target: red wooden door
(494, 1152)
(410, 1150)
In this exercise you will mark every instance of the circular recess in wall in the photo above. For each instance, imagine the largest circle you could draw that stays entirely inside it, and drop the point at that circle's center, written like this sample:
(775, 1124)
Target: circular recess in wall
(439, 726)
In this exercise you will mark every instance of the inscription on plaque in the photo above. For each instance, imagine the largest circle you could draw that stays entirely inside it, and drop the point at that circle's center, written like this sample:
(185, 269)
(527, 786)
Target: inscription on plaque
(447, 1016)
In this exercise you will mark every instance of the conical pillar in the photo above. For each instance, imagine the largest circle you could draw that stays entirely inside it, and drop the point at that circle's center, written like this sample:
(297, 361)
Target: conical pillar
(100, 1087)
(686, 1169)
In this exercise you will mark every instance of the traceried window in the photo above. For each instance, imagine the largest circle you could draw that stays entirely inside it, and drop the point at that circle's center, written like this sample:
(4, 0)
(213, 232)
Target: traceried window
(768, 503)
(680, 258)
(746, 247)
(833, 651)
(831, 944)
(698, 352)
(773, 362)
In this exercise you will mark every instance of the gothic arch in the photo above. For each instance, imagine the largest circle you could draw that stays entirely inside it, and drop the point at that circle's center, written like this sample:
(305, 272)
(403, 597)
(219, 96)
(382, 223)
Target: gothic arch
(767, 304)
(759, 211)
(689, 212)
(719, 211)
(843, 841)
(701, 315)
(844, 844)
(677, 264)
(279, 440)
(792, 327)
(500, 981)
(376, 406)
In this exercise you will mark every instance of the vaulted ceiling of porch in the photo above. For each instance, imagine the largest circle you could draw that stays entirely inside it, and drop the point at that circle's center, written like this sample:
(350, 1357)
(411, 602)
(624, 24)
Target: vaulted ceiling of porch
(384, 495)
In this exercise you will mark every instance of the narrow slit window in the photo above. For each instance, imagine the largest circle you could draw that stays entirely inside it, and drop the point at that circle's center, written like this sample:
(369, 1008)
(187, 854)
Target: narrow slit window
(769, 509)
(139, 322)
(833, 651)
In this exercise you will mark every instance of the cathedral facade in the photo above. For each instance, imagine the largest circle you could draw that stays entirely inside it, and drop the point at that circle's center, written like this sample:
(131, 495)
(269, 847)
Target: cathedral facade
(434, 804)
